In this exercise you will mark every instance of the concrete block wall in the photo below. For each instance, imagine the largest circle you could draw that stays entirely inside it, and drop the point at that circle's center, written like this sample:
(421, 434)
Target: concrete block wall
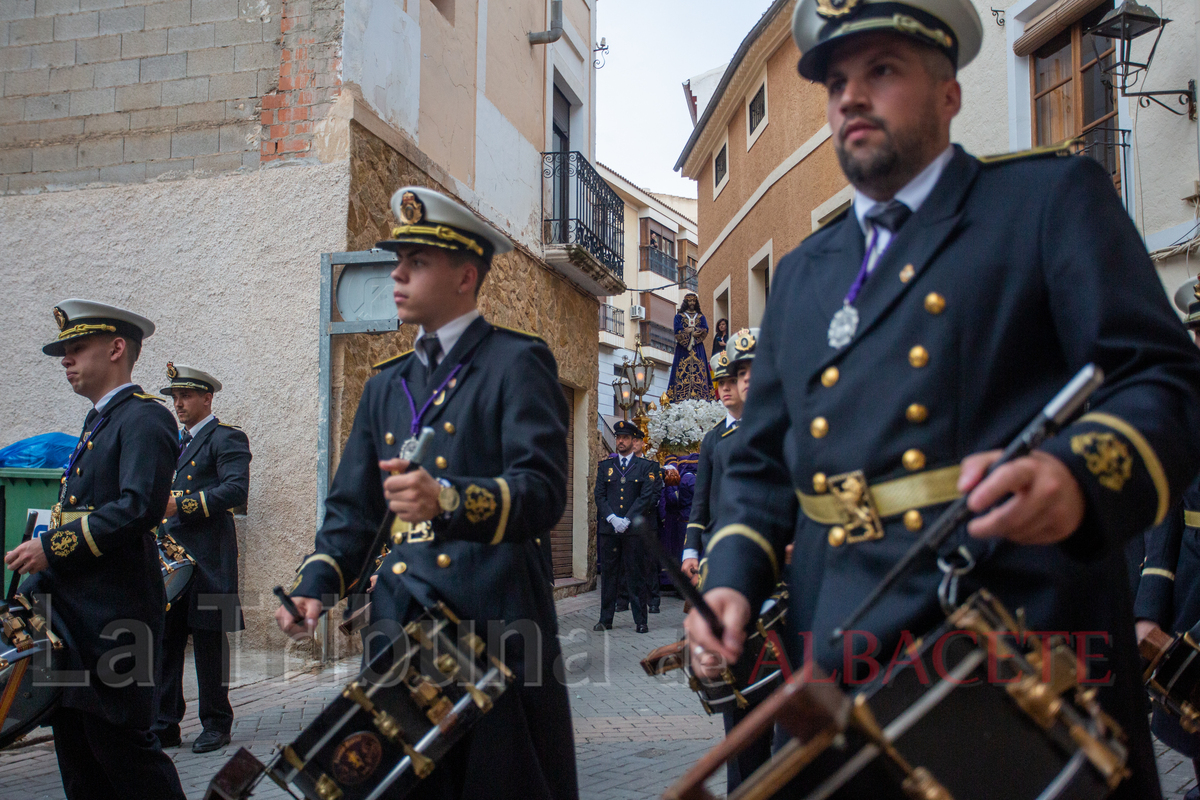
(118, 91)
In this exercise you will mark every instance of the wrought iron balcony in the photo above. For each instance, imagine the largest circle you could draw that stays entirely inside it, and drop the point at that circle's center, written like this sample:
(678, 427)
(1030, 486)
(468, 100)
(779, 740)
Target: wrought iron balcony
(658, 336)
(660, 263)
(581, 212)
(612, 319)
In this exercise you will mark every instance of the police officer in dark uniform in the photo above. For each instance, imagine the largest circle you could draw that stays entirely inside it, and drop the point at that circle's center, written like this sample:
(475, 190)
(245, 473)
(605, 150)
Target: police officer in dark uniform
(212, 478)
(627, 486)
(1167, 595)
(96, 569)
(919, 332)
(470, 519)
(708, 476)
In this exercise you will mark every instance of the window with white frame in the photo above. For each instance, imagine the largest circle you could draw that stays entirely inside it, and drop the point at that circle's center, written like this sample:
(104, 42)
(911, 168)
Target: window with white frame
(720, 168)
(756, 112)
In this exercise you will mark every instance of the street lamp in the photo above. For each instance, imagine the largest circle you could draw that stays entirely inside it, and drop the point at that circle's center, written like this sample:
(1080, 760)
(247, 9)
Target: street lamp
(639, 374)
(623, 396)
(1123, 24)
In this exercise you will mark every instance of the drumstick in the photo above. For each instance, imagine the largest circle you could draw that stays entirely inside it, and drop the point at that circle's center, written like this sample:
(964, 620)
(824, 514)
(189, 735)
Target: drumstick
(424, 440)
(30, 526)
(685, 587)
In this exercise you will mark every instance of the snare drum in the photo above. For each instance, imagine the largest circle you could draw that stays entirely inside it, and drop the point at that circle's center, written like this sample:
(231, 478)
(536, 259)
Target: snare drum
(389, 727)
(29, 651)
(937, 727)
(757, 673)
(1172, 676)
(177, 566)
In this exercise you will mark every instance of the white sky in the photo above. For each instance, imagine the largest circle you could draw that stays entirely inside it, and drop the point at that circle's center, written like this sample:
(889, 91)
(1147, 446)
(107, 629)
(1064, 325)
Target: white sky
(642, 122)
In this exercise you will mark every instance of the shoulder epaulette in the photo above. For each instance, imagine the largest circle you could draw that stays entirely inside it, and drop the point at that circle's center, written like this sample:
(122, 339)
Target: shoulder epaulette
(726, 433)
(1061, 149)
(387, 362)
(519, 332)
(714, 427)
(148, 397)
(227, 425)
(838, 217)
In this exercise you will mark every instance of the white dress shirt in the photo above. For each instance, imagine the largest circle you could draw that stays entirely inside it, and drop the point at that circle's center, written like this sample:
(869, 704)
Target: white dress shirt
(194, 429)
(913, 195)
(104, 400)
(448, 335)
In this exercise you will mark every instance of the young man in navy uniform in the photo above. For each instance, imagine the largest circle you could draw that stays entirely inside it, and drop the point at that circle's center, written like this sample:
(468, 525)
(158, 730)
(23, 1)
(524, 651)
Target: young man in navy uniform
(918, 333)
(708, 476)
(212, 478)
(1167, 596)
(96, 570)
(470, 519)
(627, 486)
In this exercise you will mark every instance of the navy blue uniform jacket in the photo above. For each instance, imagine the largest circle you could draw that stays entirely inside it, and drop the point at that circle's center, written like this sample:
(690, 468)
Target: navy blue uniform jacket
(1041, 271)
(639, 494)
(104, 568)
(213, 478)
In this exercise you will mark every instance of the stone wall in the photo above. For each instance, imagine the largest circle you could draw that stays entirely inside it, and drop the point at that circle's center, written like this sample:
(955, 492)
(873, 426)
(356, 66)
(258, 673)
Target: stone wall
(520, 292)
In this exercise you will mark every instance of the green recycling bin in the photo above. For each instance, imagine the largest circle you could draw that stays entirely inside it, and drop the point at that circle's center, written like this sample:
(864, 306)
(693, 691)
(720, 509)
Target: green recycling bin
(25, 489)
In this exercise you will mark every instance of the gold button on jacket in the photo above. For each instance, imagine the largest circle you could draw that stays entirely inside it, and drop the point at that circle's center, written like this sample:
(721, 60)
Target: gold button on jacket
(913, 460)
(935, 303)
(916, 413)
(830, 377)
(918, 356)
(819, 427)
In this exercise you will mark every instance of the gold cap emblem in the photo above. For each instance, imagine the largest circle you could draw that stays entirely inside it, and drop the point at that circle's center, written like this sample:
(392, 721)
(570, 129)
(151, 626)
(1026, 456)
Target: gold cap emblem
(172, 373)
(832, 9)
(412, 210)
(61, 318)
(744, 340)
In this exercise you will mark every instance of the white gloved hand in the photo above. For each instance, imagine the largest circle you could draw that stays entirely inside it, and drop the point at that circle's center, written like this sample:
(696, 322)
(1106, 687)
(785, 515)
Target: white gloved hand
(625, 523)
(616, 522)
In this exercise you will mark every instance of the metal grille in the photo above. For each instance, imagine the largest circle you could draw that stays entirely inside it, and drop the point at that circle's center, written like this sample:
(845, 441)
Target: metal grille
(758, 108)
(660, 263)
(660, 336)
(584, 210)
(1110, 147)
(689, 278)
(612, 319)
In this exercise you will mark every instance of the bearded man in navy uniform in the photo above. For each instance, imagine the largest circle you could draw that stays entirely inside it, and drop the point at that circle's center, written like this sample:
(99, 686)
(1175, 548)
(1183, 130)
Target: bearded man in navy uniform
(471, 518)
(923, 329)
(96, 569)
(212, 478)
(627, 486)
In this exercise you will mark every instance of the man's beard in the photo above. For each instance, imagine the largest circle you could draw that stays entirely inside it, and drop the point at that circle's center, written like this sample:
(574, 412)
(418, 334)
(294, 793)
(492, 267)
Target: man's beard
(889, 167)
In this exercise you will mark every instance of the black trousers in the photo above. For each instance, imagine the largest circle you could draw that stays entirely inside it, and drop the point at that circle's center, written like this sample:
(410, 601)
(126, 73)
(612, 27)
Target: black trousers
(100, 761)
(758, 753)
(621, 556)
(211, 653)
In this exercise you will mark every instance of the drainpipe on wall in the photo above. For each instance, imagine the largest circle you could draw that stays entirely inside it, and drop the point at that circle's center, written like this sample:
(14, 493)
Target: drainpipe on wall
(556, 28)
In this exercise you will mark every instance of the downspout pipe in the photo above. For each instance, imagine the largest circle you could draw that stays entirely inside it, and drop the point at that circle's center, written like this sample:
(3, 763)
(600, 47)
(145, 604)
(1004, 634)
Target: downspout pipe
(556, 29)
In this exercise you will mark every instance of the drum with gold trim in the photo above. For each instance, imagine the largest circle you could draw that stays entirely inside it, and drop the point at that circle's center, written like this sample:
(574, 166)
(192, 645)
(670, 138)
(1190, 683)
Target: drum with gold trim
(177, 566)
(29, 652)
(390, 726)
(1172, 675)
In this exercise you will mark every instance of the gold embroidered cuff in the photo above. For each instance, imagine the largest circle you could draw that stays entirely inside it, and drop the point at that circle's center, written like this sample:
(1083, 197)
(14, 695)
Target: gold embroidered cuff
(322, 557)
(505, 507)
(1162, 573)
(1191, 518)
(1153, 466)
(696, 525)
(204, 504)
(752, 535)
(889, 498)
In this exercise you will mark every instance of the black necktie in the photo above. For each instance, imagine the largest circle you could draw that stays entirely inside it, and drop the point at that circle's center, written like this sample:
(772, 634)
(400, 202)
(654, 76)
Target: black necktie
(432, 347)
(891, 216)
(185, 440)
(90, 419)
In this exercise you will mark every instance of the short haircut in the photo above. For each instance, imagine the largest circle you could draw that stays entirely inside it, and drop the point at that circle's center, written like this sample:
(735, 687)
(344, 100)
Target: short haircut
(937, 63)
(133, 348)
(461, 258)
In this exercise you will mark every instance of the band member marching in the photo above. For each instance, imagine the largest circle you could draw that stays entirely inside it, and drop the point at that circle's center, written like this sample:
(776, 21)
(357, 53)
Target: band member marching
(922, 328)
(97, 571)
(212, 478)
(471, 518)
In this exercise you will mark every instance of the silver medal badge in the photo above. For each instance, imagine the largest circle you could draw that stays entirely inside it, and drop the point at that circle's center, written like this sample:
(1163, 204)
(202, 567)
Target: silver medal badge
(843, 326)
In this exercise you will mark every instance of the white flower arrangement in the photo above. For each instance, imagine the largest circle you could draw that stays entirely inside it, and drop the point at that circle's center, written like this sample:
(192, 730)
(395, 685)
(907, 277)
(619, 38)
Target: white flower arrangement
(681, 426)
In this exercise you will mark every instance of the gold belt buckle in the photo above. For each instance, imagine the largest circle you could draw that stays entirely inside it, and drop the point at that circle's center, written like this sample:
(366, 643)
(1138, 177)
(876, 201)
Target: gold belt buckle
(413, 534)
(862, 523)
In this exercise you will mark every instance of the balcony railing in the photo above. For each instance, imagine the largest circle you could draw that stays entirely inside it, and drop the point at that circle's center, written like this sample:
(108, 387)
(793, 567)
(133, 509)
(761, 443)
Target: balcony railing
(660, 336)
(689, 278)
(660, 263)
(612, 319)
(583, 210)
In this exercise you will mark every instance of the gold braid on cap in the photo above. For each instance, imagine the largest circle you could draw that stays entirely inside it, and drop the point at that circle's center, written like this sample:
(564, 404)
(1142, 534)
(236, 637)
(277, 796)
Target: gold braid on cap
(80, 330)
(899, 22)
(440, 232)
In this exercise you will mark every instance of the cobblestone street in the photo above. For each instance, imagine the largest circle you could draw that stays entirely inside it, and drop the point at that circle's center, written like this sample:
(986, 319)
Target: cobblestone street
(633, 735)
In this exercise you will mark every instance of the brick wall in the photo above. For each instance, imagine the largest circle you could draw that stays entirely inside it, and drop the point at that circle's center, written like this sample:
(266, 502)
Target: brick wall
(118, 91)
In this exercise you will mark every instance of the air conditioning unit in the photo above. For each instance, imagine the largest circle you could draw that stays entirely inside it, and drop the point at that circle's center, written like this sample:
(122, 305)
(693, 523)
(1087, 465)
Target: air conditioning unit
(637, 312)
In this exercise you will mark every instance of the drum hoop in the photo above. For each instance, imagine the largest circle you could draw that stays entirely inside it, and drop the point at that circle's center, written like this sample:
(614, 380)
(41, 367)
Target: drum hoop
(1191, 656)
(1065, 776)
